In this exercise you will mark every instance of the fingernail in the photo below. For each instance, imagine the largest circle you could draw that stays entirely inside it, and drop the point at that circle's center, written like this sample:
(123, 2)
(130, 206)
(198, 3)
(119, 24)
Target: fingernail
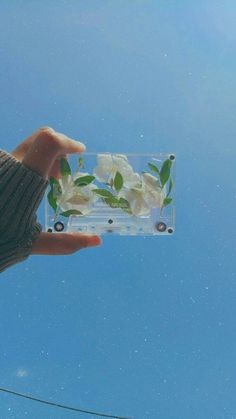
(79, 144)
(95, 241)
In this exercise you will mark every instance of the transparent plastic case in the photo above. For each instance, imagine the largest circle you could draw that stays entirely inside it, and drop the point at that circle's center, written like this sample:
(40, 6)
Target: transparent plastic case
(126, 194)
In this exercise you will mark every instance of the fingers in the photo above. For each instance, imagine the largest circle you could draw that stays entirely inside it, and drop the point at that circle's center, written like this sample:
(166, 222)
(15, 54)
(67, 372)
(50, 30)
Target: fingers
(63, 243)
(20, 151)
(40, 151)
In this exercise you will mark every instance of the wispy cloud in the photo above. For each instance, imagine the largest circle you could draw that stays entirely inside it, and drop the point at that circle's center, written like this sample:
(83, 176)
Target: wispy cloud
(21, 372)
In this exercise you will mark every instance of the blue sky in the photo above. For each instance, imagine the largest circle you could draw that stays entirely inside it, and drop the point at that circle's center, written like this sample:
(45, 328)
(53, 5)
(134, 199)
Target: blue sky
(141, 327)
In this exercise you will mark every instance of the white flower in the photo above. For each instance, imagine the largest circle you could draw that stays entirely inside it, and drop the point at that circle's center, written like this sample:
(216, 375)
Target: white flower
(108, 165)
(148, 195)
(80, 198)
(136, 201)
(153, 192)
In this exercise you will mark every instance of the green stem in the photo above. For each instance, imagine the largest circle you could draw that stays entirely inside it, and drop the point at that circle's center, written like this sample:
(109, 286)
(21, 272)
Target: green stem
(56, 214)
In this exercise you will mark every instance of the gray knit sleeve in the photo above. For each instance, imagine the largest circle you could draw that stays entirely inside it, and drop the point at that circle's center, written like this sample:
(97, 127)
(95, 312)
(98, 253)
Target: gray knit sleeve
(21, 191)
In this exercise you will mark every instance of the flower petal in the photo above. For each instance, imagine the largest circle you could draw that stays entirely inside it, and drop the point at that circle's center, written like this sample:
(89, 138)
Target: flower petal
(150, 180)
(104, 160)
(104, 167)
(139, 207)
(132, 180)
(154, 198)
(101, 173)
(136, 201)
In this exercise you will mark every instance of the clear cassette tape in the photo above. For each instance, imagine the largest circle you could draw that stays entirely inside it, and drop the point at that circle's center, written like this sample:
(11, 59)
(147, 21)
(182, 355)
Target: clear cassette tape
(126, 194)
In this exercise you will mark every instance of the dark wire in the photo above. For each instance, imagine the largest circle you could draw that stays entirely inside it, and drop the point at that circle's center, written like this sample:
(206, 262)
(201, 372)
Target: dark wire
(61, 405)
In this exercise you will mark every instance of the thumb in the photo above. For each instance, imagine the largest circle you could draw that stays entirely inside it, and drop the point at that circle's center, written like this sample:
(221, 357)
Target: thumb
(63, 243)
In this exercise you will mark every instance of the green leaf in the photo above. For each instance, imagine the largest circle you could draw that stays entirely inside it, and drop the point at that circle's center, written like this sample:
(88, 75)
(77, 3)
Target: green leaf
(55, 187)
(165, 171)
(170, 187)
(52, 201)
(84, 180)
(65, 167)
(166, 202)
(54, 192)
(128, 210)
(124, 204)
(113, 202)
(53, 181)
(118, 181)
(104, 193)
(70, 212)
(154, 168)
(81, 163)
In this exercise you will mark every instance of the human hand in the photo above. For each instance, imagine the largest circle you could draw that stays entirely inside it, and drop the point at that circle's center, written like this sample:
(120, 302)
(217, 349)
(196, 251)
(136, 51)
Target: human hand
(41, 152)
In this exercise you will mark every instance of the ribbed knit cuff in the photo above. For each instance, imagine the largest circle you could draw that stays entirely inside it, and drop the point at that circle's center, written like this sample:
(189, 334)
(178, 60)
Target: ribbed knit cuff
(12, 253)
(21, 191)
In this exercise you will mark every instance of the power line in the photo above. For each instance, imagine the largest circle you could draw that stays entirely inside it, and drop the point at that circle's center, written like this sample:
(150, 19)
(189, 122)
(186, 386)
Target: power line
(89, 412)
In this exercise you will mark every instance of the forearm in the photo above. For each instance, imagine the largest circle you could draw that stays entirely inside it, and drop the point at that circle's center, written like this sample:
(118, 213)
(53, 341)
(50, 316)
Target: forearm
(21, 191)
